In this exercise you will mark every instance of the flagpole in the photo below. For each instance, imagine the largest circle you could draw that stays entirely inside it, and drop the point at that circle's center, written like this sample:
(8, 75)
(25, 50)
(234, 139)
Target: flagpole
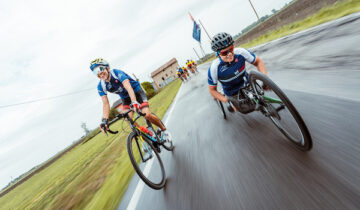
(196, 53)
(202, 49)
(205, 30)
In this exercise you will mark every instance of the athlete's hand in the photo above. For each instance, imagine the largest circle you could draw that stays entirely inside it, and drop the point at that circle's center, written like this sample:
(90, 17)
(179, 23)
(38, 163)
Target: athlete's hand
(104, 126)
(265, 87)
(135, 105)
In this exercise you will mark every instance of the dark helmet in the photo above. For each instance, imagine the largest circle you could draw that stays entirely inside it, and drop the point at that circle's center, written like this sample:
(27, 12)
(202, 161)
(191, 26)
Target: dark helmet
(221, 41)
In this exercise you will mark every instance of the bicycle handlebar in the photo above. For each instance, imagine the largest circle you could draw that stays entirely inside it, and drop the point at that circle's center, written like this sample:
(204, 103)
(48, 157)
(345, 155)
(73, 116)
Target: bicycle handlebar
(120, 116)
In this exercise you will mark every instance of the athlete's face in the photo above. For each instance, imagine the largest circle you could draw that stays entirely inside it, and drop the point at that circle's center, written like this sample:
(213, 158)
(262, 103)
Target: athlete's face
(227, 54)
(103, 74)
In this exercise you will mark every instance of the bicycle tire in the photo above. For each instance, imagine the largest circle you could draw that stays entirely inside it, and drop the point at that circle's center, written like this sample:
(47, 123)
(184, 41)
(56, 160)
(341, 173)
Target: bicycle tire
(222, 108)
(156, 186)
(306, 143)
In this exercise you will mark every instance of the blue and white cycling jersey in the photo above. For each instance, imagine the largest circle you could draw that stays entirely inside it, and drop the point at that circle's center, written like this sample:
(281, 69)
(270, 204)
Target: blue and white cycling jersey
(232, 76)
(115, 85)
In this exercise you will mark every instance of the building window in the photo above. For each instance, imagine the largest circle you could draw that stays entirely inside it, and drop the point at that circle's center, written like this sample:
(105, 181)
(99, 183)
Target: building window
(162, 78)
(166, 74)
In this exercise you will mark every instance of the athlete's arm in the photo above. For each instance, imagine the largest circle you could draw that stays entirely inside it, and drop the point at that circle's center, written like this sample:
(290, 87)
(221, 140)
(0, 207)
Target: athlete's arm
(213, 91)
(260, 65)
(106, 106)
(129, 89)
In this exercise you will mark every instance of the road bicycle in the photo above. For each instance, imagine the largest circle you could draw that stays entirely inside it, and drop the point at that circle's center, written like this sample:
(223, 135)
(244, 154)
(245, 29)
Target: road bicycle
(263, 95)
(143, 146)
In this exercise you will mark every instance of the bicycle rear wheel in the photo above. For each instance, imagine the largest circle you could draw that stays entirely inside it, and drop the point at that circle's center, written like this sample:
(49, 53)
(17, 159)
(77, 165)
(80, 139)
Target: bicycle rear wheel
(278, 107)
(146, 161)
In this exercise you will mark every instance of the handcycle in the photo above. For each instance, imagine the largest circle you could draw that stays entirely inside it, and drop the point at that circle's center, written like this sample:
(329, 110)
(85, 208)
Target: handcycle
(262, 94)
(143, 146)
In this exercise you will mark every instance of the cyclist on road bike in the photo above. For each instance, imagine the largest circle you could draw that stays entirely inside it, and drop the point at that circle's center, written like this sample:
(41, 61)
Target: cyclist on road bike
(186, 72)
(229, 69)
(180, 76)
(189, 66)
(118, 82)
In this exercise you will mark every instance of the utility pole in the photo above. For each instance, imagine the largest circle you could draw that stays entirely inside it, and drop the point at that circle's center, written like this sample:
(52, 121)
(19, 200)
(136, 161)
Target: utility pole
(137, 80)
(255, 11)
(202, 50)
(205, 30)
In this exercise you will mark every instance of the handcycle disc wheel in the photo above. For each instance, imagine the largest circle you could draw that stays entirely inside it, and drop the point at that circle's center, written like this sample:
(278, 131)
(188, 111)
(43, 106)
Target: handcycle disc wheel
(146, 161)
(277, 106)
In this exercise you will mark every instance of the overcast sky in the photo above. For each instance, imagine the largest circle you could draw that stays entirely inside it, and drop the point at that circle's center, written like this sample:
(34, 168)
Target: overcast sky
(46, 48)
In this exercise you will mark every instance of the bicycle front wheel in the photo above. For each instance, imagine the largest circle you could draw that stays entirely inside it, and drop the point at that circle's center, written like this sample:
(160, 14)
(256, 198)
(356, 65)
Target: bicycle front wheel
(146, 161)
(278, 107)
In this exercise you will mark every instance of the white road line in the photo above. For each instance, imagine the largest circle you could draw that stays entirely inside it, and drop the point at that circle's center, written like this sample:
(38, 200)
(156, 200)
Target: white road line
(140, 186)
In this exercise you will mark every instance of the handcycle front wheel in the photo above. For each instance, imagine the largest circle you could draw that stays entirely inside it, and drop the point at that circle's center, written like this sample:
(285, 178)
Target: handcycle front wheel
(143, 157)
(222, 108)
(278, 107)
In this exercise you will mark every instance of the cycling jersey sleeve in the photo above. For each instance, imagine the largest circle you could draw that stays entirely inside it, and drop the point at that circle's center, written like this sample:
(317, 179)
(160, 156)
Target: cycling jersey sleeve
(213, 73)
(101, 89)
(122, 76)
(247, 54)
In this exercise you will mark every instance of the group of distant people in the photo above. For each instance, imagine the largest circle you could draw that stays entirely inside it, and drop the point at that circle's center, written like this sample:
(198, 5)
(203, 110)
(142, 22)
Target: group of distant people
(183, 72)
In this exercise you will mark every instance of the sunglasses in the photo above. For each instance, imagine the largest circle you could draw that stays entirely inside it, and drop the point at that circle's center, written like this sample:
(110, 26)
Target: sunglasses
(99, 69)
(226, 52)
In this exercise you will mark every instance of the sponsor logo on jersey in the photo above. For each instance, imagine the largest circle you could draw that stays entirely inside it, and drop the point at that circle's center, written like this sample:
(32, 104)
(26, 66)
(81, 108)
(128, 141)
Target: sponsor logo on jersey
(223, 68)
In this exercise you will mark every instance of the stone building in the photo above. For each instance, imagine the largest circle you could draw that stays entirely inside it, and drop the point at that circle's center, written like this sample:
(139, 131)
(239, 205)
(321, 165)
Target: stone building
(165, 74)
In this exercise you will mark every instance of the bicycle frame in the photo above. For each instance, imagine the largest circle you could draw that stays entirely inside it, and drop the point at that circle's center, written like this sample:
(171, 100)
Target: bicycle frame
(272, 100)
(137, 130)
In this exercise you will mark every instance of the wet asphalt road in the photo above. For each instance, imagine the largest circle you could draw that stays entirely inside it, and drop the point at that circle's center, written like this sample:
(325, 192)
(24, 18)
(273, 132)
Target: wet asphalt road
(244, 162)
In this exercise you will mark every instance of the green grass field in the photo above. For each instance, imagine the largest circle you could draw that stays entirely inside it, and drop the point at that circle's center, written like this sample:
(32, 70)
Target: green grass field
(335, 11)
(93, 175)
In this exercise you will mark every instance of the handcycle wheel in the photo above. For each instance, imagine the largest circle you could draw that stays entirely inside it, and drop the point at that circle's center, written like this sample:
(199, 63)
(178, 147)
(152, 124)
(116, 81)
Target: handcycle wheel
(278, 107)
(143, 157)
(221, 105)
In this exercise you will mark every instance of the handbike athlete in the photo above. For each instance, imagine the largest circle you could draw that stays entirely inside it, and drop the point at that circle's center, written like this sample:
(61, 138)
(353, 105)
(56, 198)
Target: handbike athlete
(229, 69)
(118, 82)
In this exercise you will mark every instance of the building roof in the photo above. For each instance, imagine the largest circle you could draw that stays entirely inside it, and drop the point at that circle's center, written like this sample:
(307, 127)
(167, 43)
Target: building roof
(167, 64)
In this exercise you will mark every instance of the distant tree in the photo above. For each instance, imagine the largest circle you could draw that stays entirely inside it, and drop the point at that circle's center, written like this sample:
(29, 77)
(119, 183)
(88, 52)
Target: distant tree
(87, 131)
(273, 11)
(113, 113)
(150, 92)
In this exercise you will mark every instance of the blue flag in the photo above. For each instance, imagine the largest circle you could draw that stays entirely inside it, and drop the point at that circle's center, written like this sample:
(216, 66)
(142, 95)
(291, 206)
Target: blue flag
(196, 32)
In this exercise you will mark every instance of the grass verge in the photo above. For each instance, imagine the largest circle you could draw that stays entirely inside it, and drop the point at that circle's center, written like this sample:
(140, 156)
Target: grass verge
(93, 175)
(335, 11)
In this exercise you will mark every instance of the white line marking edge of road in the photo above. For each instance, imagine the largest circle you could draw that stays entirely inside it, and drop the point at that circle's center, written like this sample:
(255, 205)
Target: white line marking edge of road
(140, 186)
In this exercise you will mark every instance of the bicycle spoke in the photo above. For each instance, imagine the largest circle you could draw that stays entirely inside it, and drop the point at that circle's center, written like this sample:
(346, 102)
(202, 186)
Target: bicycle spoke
(274, 104)
(146, 161)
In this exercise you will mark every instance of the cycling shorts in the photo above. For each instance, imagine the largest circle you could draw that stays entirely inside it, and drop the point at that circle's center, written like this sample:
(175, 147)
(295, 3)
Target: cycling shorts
(140, 97)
